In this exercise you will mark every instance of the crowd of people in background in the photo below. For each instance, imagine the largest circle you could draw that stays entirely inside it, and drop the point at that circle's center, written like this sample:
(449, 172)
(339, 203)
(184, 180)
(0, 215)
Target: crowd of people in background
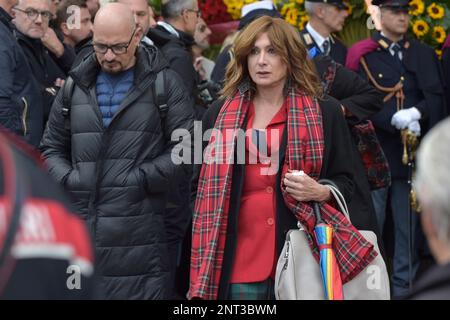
(99, 98)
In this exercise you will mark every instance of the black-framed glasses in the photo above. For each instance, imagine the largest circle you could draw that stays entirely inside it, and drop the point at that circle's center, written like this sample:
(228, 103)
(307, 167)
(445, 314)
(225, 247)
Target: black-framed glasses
(33, 13)
(117, 49)
(197, 12)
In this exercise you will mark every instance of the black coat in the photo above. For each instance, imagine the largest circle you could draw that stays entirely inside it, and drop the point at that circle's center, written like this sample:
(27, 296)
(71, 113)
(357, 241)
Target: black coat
(119, 176)
(20, 99)
(336, 166)
(433, 285)
(44, 68)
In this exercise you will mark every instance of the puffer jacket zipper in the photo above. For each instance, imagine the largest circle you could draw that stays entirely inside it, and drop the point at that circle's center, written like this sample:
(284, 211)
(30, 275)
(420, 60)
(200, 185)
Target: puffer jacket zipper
(24, 116)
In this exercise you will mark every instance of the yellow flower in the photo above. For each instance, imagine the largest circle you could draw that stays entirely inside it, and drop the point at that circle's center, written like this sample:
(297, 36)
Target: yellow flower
(350, 8)
(291, 16)
(420, 28)
(439, 34)
(300, 1)
(438, 53)
(234, 7)
(436, 11)
(286, 8)
(303, 20)
(417, 7)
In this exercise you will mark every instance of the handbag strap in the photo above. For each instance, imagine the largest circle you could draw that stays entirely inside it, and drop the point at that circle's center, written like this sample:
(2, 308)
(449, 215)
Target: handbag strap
(338, 197)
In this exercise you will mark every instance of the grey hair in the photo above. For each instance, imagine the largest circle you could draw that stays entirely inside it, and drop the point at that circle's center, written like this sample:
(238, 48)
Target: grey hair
(433, 177)
(310, 7)
(20, 2)
(172, 9)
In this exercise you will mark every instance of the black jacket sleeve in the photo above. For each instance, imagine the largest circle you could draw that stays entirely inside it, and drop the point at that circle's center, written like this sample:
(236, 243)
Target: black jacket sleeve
(66, 61)
(358, 97)
(337, 166)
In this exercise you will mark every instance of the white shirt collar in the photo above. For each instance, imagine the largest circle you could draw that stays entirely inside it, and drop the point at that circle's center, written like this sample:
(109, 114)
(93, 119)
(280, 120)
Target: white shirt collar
(391, 50)
(316, 36)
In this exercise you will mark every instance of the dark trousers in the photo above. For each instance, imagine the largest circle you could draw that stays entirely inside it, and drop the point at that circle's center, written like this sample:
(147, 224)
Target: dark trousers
(177, 218)
(397, 198)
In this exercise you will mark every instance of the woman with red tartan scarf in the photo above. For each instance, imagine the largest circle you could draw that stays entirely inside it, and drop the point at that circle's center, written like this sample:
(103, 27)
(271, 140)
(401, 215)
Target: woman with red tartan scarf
(272, 111)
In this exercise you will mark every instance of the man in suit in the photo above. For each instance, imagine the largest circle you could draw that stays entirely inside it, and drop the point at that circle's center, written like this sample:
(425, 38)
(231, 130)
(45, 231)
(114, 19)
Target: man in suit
(408, 73)
(325, 18)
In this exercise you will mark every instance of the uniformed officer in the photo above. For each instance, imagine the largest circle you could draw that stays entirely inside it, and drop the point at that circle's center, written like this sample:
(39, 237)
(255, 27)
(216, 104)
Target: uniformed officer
(325, 18)
(409, 75)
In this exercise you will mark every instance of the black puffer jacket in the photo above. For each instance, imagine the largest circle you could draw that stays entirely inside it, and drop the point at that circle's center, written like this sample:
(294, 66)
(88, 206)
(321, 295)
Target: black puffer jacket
(119, 176)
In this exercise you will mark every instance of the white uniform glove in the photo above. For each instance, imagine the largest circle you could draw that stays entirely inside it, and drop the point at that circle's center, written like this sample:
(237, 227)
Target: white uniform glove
(402, 118)
(414, 127)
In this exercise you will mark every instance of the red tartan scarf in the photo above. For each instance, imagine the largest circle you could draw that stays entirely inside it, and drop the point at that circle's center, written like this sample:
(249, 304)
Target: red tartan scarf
(304, 152)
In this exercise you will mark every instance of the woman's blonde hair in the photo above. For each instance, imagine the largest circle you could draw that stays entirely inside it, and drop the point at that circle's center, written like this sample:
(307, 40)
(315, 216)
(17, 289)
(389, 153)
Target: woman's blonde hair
(287, 43)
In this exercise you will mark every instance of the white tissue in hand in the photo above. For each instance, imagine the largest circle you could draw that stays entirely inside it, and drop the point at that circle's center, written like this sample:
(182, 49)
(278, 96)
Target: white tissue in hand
(298, 173)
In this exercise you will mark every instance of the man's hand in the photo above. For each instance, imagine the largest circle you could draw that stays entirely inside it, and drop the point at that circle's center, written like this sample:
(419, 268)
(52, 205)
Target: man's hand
(404, 117)
(304, 188)
(198, 66)
(59, 82)
(52, 43)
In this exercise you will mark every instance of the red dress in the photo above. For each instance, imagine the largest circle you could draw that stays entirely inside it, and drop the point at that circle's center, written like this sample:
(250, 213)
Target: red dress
(255, 258)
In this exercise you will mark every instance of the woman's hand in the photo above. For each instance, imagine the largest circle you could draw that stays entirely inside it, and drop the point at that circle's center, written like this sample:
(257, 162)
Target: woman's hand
(304, 188)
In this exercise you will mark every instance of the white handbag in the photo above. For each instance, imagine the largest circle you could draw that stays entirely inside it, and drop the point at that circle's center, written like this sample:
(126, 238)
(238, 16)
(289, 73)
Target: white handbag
(298, 274)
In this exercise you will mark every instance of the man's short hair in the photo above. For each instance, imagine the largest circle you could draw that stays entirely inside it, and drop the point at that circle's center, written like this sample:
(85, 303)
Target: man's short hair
(171, 9)
(61, 13)
(433, 177)
(310, 7)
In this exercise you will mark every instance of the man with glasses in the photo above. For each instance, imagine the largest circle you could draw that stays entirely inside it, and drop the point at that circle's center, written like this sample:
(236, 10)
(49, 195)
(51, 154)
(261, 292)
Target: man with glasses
(112, 151)
(20, 101)
(48, 67)
(174, 37)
